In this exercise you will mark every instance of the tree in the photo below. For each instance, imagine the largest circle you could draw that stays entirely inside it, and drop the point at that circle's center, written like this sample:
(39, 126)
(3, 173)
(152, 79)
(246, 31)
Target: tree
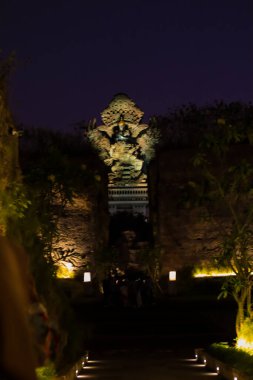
(52, 172)
(9, 168)
(186, 125)
(224, 188)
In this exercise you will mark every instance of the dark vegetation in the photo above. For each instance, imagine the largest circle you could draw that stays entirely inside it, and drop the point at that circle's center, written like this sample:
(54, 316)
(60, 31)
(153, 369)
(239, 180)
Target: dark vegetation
(240, 360)
(186, 125)
(54, 167)
(34, 191)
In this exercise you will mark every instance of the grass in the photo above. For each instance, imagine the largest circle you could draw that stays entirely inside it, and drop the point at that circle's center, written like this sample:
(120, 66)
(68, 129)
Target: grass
(234, 357)
(46, 373)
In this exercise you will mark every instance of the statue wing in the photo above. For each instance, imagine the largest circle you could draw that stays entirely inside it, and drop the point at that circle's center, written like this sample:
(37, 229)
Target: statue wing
(146, 145)
(99, 141)
(137, 129)
(107, 129)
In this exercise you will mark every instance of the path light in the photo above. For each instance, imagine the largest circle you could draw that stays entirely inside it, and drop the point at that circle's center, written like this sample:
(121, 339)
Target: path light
(218, 369)
(85, 359)
(87, 277)
(172, 275)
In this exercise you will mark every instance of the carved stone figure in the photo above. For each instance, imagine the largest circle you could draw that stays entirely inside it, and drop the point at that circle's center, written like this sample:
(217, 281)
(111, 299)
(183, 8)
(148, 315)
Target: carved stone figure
(123, 142)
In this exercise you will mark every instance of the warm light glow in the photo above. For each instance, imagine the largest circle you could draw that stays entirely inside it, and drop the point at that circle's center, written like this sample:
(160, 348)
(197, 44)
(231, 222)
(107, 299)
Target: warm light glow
(172, 275)
(96, 361)
(214, 274)
(245, 345)
(69, 266)
(89, 367)
(65, 270)
(245, 337)
(212, 271)
(87, 277)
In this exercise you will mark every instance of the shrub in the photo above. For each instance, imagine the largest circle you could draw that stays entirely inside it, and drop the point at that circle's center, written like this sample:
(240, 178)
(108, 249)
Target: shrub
(234, 357)
(245, 336)
(46, 373)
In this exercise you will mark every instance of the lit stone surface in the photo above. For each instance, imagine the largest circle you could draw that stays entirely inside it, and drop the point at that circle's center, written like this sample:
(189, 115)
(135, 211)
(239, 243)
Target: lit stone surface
(83, 230)
(124, 144)
(185, 237)
(75, 242)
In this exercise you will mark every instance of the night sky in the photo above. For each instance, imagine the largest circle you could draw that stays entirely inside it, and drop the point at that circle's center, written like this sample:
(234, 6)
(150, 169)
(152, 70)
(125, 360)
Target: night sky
(75, 55)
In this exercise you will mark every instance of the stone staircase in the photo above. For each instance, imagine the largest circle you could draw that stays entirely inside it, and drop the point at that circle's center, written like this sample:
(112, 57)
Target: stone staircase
(142, 364)
(156, 342)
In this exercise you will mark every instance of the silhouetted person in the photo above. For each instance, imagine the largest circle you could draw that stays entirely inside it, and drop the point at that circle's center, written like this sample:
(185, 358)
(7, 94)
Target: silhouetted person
(17, 361)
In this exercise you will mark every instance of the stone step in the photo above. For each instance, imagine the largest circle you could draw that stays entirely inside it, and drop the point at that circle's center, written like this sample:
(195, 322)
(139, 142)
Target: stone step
(143, 364)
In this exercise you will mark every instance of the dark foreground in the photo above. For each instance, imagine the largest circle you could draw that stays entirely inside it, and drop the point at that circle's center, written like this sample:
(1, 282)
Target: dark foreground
(156, 341)
(143, 364)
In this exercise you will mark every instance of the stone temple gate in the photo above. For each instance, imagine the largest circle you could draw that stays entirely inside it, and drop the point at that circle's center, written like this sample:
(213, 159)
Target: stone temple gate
(126, 146)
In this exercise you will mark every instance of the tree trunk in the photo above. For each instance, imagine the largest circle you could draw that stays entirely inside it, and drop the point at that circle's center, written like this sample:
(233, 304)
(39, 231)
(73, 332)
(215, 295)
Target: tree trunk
(240, 316)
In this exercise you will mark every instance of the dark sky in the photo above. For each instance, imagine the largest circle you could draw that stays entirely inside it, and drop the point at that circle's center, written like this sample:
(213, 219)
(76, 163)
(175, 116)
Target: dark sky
(75, 55)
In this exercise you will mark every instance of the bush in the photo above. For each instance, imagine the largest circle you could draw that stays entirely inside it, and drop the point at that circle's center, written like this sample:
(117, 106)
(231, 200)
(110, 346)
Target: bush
(245, 336)
(234, 357)
(46, 373)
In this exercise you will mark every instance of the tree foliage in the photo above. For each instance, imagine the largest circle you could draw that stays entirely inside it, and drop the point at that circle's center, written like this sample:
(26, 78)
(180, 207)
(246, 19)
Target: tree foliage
(186, 125)
(224, 187)
(53, 170)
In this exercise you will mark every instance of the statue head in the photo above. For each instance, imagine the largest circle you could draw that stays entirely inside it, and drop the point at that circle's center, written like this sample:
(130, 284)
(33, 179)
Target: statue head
(121, 122)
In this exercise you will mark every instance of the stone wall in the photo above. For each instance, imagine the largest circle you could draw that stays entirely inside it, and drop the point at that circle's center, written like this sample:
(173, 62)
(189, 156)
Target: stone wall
(83, 228)
(182, 234)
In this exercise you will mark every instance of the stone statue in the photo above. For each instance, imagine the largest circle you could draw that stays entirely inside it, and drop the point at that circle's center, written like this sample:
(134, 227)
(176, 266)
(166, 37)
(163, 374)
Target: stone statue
(124, 144)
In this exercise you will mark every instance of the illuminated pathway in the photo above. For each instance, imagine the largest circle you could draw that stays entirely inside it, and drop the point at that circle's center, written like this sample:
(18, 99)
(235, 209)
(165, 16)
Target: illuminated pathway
(157, 342)
(142, 364)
